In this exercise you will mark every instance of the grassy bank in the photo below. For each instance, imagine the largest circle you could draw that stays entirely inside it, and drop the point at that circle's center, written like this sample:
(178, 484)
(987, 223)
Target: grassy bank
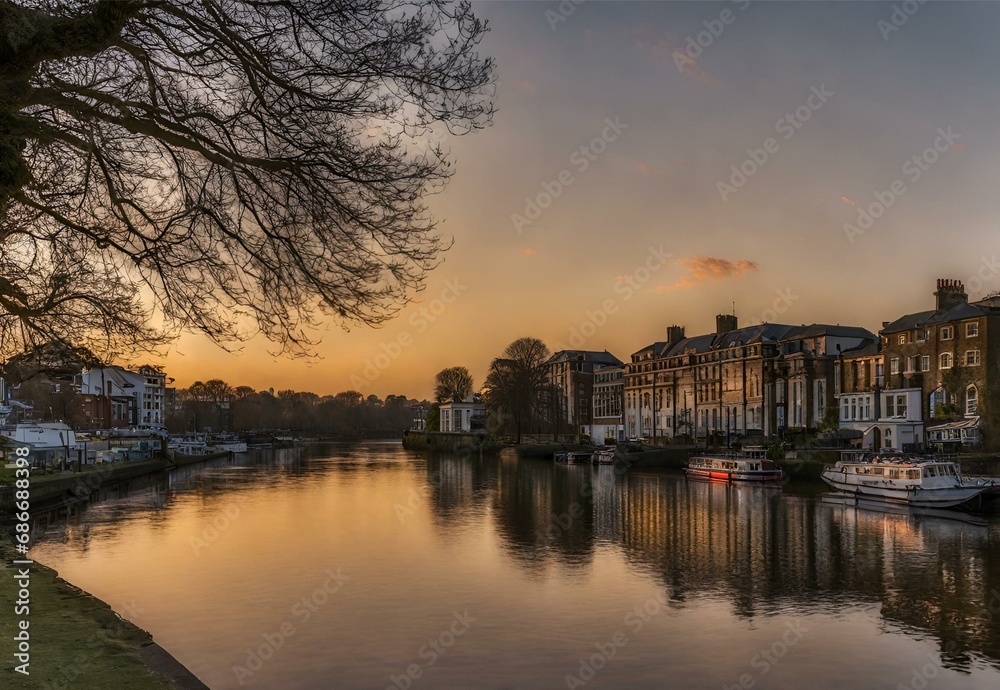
(77, 641)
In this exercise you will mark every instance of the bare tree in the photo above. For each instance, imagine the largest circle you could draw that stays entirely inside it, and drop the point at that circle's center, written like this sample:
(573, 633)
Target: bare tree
(516, 386)
(253, 165)
(453, 384)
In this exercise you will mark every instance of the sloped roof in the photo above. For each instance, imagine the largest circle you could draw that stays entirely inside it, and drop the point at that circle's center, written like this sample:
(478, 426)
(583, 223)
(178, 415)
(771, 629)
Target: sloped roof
(963, 310)
(592, 356)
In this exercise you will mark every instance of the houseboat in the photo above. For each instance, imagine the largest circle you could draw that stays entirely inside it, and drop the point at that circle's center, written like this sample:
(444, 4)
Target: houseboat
(574, 457)
(912, 480)
(605, 455)
(746, 467)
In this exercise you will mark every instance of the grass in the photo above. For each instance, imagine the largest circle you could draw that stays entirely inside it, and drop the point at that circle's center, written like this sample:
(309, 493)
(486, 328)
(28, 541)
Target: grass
(77, 641)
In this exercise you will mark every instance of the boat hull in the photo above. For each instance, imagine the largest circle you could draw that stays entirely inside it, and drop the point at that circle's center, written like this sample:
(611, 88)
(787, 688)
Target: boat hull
(943, 497)
(757, 476)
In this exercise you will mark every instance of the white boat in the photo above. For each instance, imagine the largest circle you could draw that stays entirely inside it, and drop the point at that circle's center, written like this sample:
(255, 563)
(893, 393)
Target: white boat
(188, 446)
(604, 455)
(574, 457)
(912, 480)
(227, 443)
(745, 467)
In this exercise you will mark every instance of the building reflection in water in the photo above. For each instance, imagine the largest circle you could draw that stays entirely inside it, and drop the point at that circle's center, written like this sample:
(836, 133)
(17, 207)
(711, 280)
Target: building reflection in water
(755, 547)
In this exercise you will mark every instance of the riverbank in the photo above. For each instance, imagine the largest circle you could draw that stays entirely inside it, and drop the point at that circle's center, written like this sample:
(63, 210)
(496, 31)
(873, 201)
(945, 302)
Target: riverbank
(77, 641)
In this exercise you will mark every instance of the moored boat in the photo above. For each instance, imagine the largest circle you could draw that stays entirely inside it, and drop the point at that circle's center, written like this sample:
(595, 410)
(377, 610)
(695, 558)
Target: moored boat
(574, 457)
(912, 480)
(604, 455)
(753, 467)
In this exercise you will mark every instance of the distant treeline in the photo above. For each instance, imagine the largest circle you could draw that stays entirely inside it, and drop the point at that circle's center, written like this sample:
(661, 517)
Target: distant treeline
(217, 405)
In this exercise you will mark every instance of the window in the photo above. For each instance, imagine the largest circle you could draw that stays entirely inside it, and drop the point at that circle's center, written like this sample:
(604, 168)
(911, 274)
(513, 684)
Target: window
(894, 365)
(900, 405)
(925, 363)
(945, 360)
(971, 400)
(947, 333)
(972, 329)
(972, 358)
(890, 406)
(921, 335)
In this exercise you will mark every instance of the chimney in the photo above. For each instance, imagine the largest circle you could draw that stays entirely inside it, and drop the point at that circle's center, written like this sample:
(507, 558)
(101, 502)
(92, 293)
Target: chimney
(725, 323)
(949, 293)
(675, 334)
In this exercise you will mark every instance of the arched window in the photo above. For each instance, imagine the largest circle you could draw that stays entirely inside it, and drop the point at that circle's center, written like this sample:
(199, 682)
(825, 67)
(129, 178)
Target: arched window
(971, 400)
(946, 360)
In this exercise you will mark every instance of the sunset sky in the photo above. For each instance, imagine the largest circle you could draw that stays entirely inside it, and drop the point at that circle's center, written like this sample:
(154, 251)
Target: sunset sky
(633, 135)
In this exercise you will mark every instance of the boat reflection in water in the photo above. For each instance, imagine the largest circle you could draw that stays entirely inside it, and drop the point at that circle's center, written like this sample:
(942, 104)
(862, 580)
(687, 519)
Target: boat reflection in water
(551, 561)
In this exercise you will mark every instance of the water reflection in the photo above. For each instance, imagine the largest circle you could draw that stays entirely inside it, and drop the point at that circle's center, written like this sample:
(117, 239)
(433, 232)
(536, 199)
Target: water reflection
(549, 558)
(761, 550)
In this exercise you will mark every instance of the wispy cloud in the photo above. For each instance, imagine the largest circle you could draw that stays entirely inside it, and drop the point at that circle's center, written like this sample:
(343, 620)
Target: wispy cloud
(649, 169)
(852, 202)
(707, 269)
(691, 67)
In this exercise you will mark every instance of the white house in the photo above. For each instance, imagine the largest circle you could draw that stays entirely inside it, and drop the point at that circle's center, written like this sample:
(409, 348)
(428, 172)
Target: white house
(133, 397)
(468, 415)
(901, 421)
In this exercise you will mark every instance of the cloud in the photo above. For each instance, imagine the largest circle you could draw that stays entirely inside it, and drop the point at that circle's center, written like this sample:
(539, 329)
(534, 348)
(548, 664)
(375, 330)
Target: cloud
(689, 66)
(706, 269)
(527, 251)
(852, 202)
(649, 169)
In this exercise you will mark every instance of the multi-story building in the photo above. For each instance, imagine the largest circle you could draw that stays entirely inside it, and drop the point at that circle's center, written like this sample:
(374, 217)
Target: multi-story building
(572, 374)
(117, 397)
(943, 360)
(858, 384)
(745, 382)
(608, 403)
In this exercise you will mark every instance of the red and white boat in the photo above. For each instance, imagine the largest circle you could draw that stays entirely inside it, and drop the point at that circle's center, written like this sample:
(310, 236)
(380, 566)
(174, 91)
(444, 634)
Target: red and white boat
(734, 468)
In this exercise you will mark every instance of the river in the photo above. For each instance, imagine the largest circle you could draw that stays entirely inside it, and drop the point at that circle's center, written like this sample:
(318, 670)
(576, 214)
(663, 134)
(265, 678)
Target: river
(368, 566)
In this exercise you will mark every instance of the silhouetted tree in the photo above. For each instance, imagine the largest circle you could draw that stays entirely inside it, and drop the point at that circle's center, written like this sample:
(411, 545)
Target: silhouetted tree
(516, 386)
(264, 160)
(453, 384)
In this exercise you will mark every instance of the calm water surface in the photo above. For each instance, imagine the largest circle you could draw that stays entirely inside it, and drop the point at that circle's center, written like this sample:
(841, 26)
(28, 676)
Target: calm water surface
(372, 567)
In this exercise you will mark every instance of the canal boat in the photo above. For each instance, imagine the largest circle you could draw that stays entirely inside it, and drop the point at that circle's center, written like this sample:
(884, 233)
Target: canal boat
(913, 480)
(605, 455)
(746, 467)
(574, 457)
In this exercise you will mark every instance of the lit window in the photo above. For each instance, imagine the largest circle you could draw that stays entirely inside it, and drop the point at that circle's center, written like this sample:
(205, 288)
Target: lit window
(946, 360)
